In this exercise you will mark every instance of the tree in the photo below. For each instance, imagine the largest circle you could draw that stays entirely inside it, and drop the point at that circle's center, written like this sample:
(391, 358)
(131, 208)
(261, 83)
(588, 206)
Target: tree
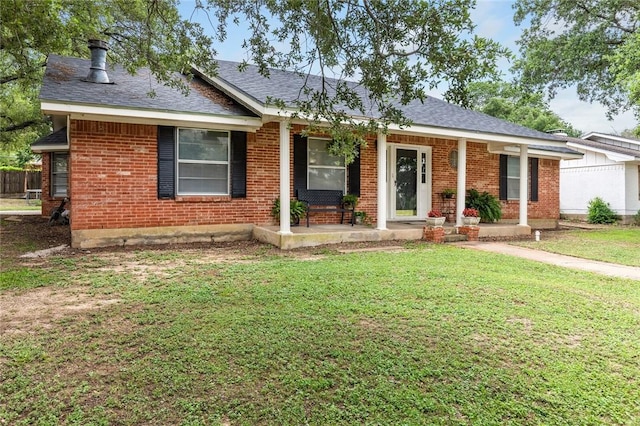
(512, 103)
(586, 43)
(394, 50)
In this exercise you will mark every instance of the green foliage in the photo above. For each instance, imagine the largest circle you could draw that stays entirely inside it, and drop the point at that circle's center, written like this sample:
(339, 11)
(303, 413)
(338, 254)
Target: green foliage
(635, 220)
(512, 103)
(350, 199)
(10, 169)
(487, 205)
(297, 209)
(379, 52)
(448, 192)
(599, 211)
(592, 45)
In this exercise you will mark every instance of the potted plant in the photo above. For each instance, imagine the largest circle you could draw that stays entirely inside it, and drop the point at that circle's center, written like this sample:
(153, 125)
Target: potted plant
(488, 206)
(435, 218)
(448, 193)
(297, 210)
(350, 201)
(470, 216)
(361, 218)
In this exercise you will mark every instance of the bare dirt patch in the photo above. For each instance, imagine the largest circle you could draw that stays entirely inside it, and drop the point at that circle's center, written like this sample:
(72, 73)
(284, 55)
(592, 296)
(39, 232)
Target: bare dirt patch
(25, 312)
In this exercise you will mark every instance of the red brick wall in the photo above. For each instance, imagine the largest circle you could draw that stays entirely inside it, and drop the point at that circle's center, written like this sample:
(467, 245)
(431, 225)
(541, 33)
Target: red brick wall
(113, 178)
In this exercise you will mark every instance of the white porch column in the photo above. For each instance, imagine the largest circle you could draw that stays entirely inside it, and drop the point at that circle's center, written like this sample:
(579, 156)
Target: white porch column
(285, 180)
(461, 190)
(382, 182)
(524, 184)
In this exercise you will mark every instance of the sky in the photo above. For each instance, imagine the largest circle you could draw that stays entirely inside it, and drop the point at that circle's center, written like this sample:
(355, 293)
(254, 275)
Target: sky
(494, 20)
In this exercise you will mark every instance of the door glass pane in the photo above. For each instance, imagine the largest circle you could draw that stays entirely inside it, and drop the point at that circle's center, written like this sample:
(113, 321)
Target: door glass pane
(406, 182)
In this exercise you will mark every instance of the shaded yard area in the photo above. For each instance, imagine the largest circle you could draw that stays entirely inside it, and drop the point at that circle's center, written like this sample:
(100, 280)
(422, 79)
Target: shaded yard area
(245, 334)
(614, 244)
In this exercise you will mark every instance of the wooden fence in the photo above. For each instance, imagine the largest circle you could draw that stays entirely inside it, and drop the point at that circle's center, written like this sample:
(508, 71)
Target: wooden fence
(18, 182)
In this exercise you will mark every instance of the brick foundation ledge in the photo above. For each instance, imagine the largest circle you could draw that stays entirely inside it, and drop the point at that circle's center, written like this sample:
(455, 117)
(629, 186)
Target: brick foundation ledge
(433, 234)
(91, 238)
(472, 232)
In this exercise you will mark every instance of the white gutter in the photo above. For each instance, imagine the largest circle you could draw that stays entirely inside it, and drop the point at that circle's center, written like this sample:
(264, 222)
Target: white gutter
(141, 116)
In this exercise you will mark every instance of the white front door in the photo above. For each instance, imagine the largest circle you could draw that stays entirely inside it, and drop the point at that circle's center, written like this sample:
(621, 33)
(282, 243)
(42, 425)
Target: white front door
(409, 177)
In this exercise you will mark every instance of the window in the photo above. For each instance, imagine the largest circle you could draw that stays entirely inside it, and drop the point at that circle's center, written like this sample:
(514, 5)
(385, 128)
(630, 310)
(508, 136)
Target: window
(510, 178)
(325, 170)
(203, 162)
(59, 173)
(513, 178)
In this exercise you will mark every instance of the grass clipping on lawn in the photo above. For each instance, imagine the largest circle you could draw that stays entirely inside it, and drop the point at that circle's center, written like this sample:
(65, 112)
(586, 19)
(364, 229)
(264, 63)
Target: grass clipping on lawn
(430, 335)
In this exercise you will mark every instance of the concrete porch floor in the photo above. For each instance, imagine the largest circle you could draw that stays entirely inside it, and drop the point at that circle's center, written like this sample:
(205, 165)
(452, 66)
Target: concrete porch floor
(316, 235)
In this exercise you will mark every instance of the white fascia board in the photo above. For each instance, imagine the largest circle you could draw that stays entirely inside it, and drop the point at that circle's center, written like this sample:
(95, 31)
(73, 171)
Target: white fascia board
(50, 148)
(472, 136)
(613, 156)
(140, 116)
(495, 148)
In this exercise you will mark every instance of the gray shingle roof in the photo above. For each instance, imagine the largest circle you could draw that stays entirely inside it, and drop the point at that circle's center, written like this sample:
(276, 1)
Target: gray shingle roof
(63, 83)
(432, 112)
(57, 138)
(587, 143)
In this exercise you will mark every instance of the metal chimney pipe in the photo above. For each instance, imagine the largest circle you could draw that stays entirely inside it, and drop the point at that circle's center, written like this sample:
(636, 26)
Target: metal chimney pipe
(98, 72)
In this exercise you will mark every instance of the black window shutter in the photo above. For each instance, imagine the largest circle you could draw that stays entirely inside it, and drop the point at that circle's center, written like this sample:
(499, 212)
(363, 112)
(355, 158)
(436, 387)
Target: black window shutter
(166, 162)
(299, 162)
(503, 176)
(533, 166)
(354, 175)
(238, 164)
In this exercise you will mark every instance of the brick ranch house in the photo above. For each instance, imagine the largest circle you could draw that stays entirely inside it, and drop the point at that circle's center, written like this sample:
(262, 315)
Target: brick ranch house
(208, 166)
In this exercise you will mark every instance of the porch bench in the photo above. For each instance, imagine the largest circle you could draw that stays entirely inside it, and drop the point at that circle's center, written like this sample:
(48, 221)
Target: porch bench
(324, 200)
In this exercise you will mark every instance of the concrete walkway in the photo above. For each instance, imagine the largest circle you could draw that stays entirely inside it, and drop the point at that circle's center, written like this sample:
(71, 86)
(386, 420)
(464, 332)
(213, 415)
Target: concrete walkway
(604, 268)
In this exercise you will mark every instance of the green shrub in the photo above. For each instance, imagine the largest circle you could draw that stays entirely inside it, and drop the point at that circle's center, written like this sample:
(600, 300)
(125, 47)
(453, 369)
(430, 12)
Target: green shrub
(11, 169)
(297, 210)
(635, 220)
(599, 211)
(487, 205)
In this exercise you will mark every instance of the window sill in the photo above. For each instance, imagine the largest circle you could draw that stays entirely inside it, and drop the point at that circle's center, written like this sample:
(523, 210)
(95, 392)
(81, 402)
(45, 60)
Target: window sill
(203, 198)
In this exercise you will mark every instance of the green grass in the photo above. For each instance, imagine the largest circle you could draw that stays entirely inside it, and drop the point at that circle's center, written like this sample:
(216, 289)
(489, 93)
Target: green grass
(7, 204)
(614, 245)
(433, 335)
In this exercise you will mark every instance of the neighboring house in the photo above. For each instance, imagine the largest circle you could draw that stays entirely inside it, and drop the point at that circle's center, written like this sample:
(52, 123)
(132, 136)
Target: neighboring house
(208, 166)
(609, 169)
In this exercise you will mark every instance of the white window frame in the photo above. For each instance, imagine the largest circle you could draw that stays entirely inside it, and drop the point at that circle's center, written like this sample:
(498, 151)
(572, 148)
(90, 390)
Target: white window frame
(315, 166)
(513, 179)
(54, 173)
(211, 162)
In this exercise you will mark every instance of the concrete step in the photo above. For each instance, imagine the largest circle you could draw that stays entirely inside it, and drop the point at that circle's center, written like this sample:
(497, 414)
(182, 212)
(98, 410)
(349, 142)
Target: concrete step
(454, 238)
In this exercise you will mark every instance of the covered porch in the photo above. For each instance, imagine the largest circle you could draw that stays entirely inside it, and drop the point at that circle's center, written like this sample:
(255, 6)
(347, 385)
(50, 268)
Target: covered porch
(315, 235)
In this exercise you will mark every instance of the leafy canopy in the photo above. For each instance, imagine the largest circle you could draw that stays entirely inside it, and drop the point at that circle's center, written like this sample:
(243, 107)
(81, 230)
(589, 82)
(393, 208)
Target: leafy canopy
(393, 51)
(512, 103)
(592, 44)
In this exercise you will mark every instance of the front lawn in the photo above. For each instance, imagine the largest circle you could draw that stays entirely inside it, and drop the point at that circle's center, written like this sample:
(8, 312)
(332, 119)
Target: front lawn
(615, 245)
(430, 335)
